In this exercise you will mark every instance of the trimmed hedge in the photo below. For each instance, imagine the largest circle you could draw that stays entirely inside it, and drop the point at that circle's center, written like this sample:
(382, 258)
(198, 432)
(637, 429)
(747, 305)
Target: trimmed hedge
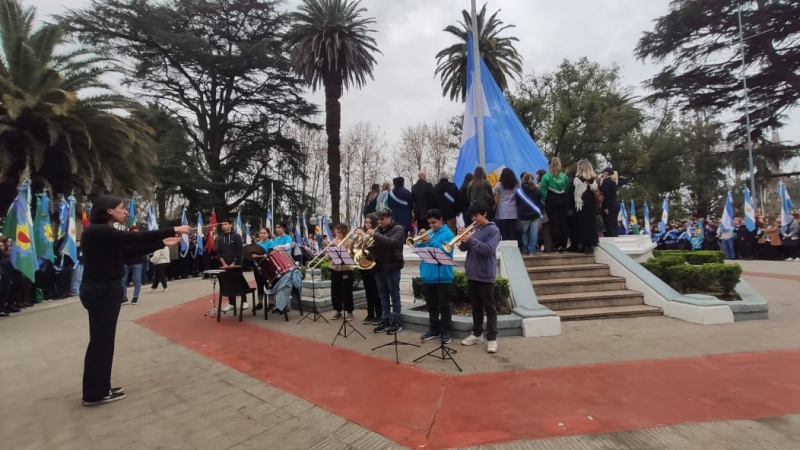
(458, 289)
(682, 271)
(696, 258)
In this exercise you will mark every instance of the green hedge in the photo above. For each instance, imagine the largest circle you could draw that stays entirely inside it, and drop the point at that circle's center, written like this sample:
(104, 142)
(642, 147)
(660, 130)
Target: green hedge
(685, 274)
(325, 272)
(696, 258)
(458, 289)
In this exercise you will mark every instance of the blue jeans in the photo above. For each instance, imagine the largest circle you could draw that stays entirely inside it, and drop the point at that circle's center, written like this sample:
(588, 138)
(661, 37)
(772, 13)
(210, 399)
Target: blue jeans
(77, 276)
(136, 271)
(727, 248)
(530, 235)
(389, 286)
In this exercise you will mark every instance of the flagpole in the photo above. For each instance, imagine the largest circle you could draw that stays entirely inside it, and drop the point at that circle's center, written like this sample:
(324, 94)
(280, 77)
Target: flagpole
(272, 198)
(746, 107)
(478, 91)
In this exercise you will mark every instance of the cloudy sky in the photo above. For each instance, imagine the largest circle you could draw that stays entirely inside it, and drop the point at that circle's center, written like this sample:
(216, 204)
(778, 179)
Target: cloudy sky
(410, 34)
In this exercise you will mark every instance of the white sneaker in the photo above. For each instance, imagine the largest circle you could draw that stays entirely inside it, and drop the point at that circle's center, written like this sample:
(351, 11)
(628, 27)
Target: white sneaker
(472, 340)
(789, 259)
(165, 290)
(245, 305)
(491, 346)
(797, 260)
(151, 291)
(227, 308)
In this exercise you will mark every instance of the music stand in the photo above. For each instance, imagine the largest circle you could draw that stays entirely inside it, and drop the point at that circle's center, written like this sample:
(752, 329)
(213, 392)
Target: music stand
(395, 342)
(341, 257)
(314, 314)
(439, 258)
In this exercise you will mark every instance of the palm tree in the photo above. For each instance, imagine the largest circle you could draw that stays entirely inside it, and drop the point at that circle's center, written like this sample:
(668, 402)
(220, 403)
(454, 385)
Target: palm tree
(498, 53)
(331, 47)
(47, 129)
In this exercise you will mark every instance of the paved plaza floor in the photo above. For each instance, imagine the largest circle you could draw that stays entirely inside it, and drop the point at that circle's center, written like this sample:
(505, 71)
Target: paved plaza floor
(646, 383)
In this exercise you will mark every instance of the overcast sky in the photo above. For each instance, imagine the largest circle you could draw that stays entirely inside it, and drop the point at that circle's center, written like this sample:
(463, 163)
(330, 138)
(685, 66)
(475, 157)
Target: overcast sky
(410, 34)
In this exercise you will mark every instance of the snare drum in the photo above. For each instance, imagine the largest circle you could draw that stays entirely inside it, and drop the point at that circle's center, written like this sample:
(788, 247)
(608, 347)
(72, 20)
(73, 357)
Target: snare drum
(211, 274)
(275, 265)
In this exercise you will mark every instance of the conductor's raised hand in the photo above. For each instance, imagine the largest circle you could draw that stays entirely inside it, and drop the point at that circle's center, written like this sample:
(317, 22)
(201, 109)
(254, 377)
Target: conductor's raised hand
(171, 240)
(183, 229)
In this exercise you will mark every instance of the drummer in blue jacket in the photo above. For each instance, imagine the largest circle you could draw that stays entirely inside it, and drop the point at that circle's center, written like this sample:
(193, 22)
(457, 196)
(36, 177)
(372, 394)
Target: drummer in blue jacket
(436, 279)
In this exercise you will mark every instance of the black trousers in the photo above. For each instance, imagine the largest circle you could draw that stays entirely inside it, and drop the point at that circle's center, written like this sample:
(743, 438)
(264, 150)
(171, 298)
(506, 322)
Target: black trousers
(102, 299)
(160, 275)
(371, 290)
(261, 284)
(342, 290)
(508, 228)
(437, 296)
(557, 216)
(481, 295)
(610, 223)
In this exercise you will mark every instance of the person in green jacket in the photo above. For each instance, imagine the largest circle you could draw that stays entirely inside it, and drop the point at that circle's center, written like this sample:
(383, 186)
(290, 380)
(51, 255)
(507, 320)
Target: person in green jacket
(556, 202)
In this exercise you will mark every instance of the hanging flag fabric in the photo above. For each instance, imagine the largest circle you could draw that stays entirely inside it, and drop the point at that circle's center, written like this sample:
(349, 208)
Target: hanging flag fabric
(239, 230)
(198, 249)
(727, 214)
(19, 228)
(506, 142)
(68, 246)
(131, 213)
(212, 227)
(248, 239)
(633, 219)
(305, 229)
(43, 230)
(749, 211)
(84, 219)
(647, 219)
(63, 218)
(326, 228)
(625, 221)
(184, 242)
(268, 222)
(152, 223)
(662, 226)
(297, 233)
(786, 204)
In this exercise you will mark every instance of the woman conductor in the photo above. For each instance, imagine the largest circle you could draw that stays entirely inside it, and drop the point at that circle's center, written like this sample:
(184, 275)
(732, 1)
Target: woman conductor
(101, 289)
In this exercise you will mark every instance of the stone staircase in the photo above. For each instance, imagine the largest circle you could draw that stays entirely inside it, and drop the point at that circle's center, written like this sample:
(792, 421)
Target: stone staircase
(575, 287)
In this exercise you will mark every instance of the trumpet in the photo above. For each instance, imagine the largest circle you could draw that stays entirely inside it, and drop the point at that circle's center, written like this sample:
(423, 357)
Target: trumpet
(412, 241)
(448, 246)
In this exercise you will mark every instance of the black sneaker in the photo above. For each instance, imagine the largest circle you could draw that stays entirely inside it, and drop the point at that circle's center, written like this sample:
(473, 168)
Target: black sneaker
(447, 338)
(118, 390)
(367, 320)
(383, 326)
(3, 314)
(430, 334)
(376, 321)
(124, 301)
(110, 398)
(394, 329)
(135, 301)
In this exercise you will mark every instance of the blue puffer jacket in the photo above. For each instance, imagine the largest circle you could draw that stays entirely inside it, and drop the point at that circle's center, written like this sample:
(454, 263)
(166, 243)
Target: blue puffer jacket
(431, 273)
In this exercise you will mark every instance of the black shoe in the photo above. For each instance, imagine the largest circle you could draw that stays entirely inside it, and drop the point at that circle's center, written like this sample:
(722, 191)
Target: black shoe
(118, 390)
(259, 306)
(3, 314)
(447, 338)
(110, 398)
(270, 307)
(562, 250)
(430, 334)
(12, 309)
(367, 320)
(383, 326)
(125, 300)
(135, 301)
(394, 329)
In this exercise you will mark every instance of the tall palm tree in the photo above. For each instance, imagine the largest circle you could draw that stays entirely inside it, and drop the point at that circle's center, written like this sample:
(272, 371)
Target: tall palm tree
(498, 53)
(47, 129)
(331, 47)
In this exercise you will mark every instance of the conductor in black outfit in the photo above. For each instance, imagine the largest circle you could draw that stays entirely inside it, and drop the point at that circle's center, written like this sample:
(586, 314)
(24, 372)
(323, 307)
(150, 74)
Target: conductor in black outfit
(104, 248)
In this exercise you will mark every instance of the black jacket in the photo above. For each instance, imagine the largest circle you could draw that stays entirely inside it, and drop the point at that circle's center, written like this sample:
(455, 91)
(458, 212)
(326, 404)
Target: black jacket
(388, 247)
(450, 207)
(229, 247)
(525, 212)
(609, 190)
(422, 192)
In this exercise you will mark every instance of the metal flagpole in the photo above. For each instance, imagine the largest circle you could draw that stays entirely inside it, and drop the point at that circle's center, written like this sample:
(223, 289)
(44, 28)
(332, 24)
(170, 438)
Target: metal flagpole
(746, 108)
(478, 91)
(272, 199)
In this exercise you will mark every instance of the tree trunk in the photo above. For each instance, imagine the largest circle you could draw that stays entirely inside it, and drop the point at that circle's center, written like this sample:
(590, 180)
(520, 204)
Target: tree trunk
(333, 123)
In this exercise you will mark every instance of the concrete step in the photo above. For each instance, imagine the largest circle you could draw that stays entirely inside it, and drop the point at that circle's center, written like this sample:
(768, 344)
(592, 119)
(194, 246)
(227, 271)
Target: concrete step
(613, 312)
(557, 259)
(584, 300)
(573, 285)
(568, 271)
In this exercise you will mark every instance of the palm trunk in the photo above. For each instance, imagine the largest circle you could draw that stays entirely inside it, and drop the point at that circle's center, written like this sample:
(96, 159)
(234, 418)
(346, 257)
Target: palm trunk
(333, 123)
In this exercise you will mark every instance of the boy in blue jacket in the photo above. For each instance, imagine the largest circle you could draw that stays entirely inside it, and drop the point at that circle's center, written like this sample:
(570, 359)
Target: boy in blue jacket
(436, 280)
(481, 270)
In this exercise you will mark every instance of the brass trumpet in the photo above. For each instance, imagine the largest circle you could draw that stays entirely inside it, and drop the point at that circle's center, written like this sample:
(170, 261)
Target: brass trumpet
(412, 241)
(448, 246)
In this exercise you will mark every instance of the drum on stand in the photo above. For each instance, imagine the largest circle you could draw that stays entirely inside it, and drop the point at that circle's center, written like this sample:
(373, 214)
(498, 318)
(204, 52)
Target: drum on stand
(212, 275)
(275, 265)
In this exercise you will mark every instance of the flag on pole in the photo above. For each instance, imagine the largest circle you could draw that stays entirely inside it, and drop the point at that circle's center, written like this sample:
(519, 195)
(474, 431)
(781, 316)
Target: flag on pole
(239, 230)
(43, 230)
(268, 222)
(84, 219)
(749, 211)
(184, 243)
(68, 246)
(662, 226)
(647, 220)
(633, 218)
(63, 218)
(19, 228)
(298, 236)
(131, 213)
(305, 229)
(625, 221)
(152, 223)
(326, 228)
(198, 250)
(212, 228)
(786, 204)
(248, 239)
(727, 214)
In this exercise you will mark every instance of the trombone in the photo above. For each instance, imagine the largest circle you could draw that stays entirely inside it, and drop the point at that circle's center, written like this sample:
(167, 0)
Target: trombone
(412, 241)
(313, 264)
(448, 246)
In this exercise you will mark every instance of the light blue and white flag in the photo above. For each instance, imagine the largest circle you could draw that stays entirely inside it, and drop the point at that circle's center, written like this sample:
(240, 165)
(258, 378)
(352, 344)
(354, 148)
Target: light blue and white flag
(239, 230)
(268, 222)
(647, 220)
(184, 243)
(69, 246)
(152, 223)
(786, 204)
(298, 235)
(727, 214)
(326, 228)
(625, 222)
(63, 218)
(749, 211)
(662, 226)
(248, 239)
(199, 248)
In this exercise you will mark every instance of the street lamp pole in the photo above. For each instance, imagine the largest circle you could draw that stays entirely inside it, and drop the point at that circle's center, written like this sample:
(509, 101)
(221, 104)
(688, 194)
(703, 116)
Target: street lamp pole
(747, 112)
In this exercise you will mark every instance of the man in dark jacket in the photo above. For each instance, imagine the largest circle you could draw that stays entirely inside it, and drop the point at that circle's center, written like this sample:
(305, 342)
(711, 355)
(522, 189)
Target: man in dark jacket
(447, 199)
(229, 251)
(610, 206)
(401, 203)
(422, 193)
(389, 239)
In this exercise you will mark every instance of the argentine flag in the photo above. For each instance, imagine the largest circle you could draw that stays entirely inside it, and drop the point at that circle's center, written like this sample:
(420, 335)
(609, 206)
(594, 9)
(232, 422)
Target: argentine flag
(786, 204)
(624, 214)
(248, 239)
(239, 230)
(727, 214)
(184, 244)
(268, 222)
(326, 228)
(69, 247)
(199, 249)
(749, 211)
(152, 223)
(647, 220)
(662, 226)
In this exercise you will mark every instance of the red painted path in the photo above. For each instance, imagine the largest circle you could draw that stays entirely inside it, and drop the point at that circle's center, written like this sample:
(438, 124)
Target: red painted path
(416, 407)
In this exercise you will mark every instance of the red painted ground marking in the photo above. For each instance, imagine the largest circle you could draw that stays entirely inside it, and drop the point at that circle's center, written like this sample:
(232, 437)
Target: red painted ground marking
(772, 275)
(400, 402)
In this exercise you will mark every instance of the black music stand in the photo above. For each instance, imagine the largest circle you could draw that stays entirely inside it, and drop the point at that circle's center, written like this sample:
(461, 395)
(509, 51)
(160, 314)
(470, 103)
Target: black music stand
(395, 342)
(313, 314)
(341, 257)
(439, 258)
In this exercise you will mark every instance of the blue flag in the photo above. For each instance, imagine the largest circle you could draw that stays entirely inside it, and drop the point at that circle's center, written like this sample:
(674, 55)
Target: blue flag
(786, 204)
(19, 228)
(199, 249)
(727, 214)
(662, 226)
(633, 219)
(506, 142)
(268, 222)
(298, 237)
(625, 222)
(248, 238)
(326, 228)
(63, 218)
(152, 223)
(131, 213)
(239, 230)
(68, 246)
(647, 220)
(184, 244)
(43, 230)
(749, 211)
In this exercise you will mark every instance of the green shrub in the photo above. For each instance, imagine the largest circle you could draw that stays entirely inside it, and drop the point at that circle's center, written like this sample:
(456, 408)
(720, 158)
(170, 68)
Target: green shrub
(704, 257)
(658, 266)
(459, 292)
(687, 279)
(416, 287)
(727, 276)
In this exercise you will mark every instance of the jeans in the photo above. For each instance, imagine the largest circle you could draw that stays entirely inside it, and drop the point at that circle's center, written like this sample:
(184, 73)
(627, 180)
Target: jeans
(389, 287)
(77, 275)
(727, 248)
(102, 299)
(136, 271)
(530, 236)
